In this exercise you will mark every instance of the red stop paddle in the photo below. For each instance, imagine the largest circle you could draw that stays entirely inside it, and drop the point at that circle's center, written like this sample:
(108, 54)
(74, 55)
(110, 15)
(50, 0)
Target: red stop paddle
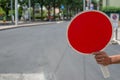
(89, 31)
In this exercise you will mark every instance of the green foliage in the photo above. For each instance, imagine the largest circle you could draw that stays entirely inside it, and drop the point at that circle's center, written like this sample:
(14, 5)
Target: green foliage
(11, 12)
(2, 1)
(2, 12)
(111, 9)
(71, 6)
(20, 11)
(4, 18)
(38, 15)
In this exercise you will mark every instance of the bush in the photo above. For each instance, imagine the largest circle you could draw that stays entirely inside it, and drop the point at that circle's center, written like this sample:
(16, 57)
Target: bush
(111, 9)
(2, 12)
(38, 15)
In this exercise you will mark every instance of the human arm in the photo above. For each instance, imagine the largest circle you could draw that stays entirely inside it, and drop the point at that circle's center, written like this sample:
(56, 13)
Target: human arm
(115, 59)
(103, 59)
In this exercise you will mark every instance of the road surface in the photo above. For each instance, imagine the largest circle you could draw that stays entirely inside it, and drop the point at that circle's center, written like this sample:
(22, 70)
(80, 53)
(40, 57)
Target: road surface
(43, 51)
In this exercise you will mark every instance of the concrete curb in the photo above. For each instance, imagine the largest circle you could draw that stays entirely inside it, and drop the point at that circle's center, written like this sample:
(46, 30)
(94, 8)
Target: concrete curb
(27, 25)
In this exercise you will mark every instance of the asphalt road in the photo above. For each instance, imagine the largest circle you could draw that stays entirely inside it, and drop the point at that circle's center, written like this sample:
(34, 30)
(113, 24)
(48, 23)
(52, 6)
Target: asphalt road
(44, 49)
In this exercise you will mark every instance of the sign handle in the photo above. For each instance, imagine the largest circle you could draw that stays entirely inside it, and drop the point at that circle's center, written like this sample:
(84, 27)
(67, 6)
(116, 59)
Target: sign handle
(105, 71)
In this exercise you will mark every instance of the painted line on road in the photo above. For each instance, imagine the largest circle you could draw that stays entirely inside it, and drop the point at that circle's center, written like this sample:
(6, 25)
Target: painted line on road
(35, 76)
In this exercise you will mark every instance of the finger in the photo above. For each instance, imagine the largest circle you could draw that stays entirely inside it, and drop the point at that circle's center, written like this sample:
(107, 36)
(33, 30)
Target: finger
(102, 63)
(99, 53)
(96, 53)
(99, 60)
(100, 56)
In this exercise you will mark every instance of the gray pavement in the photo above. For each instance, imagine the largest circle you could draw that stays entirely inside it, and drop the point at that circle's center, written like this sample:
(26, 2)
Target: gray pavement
(42, 52)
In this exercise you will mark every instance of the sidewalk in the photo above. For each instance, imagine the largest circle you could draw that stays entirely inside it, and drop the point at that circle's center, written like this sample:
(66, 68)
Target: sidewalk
(9, 25)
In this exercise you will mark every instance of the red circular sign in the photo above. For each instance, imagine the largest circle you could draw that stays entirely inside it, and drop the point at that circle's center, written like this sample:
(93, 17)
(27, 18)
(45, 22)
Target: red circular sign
(89, 31)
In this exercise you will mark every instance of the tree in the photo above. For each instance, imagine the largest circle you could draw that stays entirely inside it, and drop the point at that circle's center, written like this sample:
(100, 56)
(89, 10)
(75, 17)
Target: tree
(42, 4)
(5, 5)
(71, 6)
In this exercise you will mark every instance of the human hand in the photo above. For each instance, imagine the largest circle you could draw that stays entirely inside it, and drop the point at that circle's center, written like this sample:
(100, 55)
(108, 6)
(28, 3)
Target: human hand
(102, 58)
